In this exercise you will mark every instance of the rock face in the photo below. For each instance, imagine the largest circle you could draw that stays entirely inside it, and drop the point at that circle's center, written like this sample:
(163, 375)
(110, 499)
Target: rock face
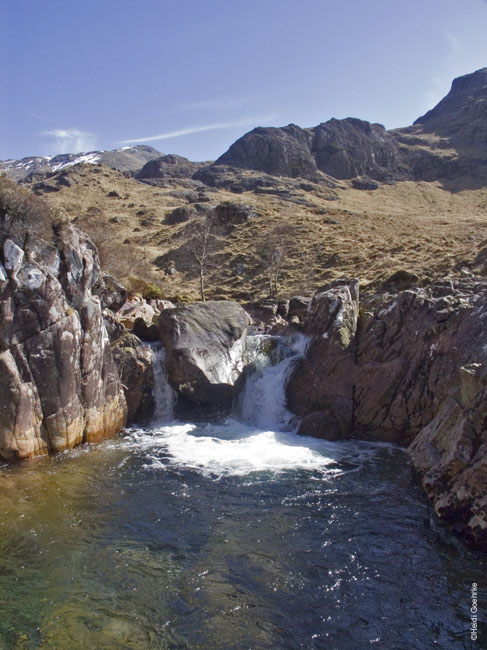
(59, 386)
(410, 349)
(351, 147)
(169, 166)
(205, 345)
(340, 148)
(410, 369)
(461, 115)
(322, 383)
(282, 151)
(135, 366)
(111, 293)
(450, 454)
(447, 143)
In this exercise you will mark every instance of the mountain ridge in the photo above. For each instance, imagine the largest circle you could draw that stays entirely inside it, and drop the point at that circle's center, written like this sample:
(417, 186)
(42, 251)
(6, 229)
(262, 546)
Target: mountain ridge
(447, 143)
(129, 159)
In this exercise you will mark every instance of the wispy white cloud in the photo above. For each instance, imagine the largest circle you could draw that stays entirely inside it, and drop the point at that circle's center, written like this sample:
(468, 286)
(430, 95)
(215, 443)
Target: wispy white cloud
(455, 47)
(70, 140)
(440, 83)
(199, 129)
(221, 103)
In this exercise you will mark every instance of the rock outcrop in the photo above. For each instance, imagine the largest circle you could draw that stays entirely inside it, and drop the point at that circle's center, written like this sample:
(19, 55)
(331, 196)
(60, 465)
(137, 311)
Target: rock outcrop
(352, 147)
(205, 345)
(168, 167)
(460, 116)
(112, 294)
(447, 143)
(450, 454)
(59, 386)
(410, 349)
(135, 361)
(282, 151)
(339, 148)
(322, 383)
(410, 369)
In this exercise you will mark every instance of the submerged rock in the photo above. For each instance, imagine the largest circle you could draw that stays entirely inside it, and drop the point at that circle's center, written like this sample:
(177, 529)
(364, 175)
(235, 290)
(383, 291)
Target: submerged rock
(205, 345)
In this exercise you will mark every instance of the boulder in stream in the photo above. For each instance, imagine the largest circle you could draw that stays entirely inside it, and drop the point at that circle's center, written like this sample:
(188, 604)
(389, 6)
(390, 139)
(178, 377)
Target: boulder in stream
(205, 345)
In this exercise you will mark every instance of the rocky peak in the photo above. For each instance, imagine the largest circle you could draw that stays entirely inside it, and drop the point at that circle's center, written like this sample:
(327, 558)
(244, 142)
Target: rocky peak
(126, 159)
(168, 166)
(284, 151)
(341, 148)
(461, 116)
(352, 147)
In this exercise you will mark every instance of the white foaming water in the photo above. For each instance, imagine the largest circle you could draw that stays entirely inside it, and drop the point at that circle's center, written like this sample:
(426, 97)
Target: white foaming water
(236, 449)
(164, 395)
(263, 399)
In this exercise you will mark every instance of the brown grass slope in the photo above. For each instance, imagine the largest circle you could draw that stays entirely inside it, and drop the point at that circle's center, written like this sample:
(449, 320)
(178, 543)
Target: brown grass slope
(323, 233)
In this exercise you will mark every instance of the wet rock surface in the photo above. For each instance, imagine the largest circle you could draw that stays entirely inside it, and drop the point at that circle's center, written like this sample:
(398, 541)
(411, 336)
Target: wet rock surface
(205, 354)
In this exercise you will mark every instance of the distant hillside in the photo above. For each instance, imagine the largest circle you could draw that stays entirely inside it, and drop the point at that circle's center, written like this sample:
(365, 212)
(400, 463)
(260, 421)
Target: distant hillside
(448, 143)
(343, 199)
(126, 159)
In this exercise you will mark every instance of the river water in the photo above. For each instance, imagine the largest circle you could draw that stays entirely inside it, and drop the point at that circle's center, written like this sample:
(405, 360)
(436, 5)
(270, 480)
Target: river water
(229, 535)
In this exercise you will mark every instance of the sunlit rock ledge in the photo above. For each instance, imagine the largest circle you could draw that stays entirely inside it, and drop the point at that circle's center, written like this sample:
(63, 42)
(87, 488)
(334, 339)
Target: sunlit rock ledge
(59, 385)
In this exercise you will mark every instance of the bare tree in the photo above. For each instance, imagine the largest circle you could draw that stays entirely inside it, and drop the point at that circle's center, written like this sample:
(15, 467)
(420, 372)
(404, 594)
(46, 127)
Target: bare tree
(203, 245)
(273, 249)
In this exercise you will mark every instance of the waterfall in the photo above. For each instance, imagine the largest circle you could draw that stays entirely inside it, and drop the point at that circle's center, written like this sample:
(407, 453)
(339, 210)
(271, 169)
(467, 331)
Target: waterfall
(164, 395)
(263, 399)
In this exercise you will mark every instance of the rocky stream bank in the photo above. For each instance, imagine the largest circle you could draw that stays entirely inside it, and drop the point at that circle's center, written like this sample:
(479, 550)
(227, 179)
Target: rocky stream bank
(406, 367)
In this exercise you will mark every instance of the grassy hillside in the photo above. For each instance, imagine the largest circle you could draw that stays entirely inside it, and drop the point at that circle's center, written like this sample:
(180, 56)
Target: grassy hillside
(321, 233)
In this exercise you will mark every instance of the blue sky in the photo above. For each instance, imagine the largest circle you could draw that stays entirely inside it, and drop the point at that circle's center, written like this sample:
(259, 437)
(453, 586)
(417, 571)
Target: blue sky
(191, 76)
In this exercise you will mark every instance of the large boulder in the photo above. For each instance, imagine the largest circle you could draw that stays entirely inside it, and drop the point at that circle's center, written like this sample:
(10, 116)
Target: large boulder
(321, 387)
(205, 344)
(59, 386)
(133, 309)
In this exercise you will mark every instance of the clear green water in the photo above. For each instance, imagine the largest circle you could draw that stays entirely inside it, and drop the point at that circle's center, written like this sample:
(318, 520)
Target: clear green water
(123, 546)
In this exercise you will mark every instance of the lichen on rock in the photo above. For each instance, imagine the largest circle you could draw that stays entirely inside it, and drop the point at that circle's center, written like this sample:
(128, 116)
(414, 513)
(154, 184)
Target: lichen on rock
(59, 386)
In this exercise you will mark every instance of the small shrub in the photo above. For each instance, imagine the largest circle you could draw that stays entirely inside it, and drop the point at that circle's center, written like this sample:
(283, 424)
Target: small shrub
(22, 214)
(151, 292)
